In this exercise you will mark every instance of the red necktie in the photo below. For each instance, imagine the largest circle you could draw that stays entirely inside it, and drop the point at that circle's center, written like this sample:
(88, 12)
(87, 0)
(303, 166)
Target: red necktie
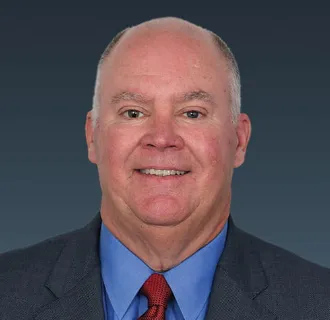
(158, 292)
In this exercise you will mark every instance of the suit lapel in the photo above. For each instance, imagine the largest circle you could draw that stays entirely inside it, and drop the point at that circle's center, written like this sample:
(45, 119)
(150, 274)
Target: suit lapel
(75, 280)
(83, 302)
(229, 301)
(239, 280)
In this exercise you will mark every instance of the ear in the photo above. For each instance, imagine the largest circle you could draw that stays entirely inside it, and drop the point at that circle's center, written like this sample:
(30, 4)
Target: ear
(89, 132)
(243, 133)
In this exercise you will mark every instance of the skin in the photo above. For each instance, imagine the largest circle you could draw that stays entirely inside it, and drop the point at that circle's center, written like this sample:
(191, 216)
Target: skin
(165, 220)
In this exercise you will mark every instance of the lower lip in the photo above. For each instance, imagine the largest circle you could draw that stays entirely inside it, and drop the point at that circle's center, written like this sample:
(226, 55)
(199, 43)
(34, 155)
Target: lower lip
(162, 178)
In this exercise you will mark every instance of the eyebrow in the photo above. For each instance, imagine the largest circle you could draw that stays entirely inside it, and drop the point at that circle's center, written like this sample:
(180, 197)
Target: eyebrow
(199, 95)
(129, 96)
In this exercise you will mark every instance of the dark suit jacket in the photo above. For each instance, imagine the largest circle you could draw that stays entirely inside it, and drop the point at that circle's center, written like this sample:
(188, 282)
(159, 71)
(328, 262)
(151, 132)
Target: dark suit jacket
(60, 279)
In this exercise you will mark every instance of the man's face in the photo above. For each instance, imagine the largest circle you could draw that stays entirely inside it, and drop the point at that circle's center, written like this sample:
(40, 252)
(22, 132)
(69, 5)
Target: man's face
(165, 104)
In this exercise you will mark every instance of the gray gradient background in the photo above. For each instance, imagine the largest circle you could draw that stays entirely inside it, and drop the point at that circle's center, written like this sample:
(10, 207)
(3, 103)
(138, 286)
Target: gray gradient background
(48, 58)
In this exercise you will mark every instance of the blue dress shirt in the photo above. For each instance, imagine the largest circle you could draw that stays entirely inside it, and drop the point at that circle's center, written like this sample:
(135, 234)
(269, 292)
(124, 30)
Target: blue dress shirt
(123, 274)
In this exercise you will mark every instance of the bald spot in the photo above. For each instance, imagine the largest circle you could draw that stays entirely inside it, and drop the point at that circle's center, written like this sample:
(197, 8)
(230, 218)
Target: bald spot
(151, 32)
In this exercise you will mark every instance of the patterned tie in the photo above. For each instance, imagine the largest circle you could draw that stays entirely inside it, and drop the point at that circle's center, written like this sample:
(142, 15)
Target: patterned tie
(158, 292)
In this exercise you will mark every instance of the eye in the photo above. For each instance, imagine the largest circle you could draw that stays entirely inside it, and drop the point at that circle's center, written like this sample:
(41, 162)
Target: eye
(193, 114)
(133, 113)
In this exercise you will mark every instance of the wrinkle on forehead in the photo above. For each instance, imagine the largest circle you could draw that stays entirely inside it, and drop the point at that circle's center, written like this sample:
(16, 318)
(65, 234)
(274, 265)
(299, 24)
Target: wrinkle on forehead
(196, 95)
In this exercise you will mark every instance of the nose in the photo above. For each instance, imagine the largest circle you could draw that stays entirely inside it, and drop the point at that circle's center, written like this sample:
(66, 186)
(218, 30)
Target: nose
(162, 134)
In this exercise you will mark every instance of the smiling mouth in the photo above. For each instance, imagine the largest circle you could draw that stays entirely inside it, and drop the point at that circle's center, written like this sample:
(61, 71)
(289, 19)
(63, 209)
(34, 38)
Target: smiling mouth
(162, 173)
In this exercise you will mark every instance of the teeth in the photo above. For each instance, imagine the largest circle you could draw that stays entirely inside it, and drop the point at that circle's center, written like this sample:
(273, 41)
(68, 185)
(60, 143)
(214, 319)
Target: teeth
(162, 172)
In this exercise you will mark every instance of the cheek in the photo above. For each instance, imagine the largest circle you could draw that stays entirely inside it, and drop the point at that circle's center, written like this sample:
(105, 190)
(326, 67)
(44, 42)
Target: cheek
(217, 151)
(113, 149)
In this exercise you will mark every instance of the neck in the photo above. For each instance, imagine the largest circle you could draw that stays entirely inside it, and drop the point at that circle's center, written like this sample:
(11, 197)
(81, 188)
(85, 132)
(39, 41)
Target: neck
(164, 247)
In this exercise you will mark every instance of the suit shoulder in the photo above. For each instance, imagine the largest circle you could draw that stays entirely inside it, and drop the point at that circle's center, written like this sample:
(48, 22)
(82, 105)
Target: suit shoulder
(275, 257)
(280, 281)
(23, 273)
(31, 264)
(33, 255)
(297, 284)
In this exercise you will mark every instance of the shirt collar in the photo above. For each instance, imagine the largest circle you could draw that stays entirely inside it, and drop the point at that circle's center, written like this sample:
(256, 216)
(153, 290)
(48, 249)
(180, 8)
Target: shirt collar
(123, 274)
(191, 280)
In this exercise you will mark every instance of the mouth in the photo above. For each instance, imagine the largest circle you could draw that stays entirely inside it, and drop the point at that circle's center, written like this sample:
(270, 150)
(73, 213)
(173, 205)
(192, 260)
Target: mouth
(162, 172)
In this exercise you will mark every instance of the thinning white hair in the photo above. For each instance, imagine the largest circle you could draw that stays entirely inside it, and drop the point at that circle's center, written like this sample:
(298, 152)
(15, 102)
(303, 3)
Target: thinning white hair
(233, 73)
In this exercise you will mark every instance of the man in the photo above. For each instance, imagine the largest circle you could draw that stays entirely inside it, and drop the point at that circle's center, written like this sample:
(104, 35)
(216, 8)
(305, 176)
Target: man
(166, 133)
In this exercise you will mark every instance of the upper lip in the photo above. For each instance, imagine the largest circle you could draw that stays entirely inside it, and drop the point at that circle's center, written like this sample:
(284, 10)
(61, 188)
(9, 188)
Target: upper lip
(162, 168)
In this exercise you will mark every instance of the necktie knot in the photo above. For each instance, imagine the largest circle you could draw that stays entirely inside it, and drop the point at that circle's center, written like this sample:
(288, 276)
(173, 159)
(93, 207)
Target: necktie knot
(157, 290)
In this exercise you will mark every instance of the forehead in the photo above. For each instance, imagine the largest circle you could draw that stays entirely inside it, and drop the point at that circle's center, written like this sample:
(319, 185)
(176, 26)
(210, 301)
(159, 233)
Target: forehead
(163, 59)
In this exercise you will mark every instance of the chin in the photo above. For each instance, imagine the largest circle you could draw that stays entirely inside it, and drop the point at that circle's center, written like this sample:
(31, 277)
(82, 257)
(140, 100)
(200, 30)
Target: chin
(162, 211)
